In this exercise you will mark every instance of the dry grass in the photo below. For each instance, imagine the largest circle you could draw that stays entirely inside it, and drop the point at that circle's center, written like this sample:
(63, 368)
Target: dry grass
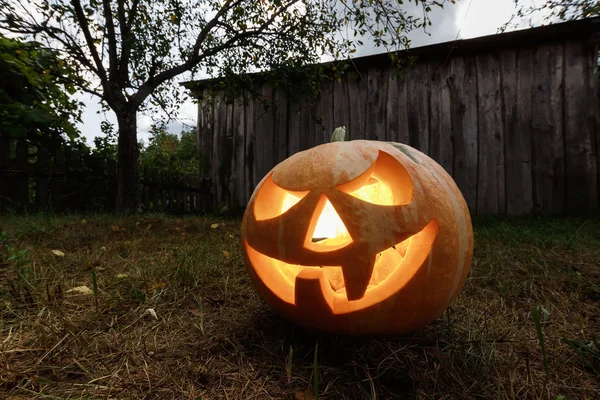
(213, 337)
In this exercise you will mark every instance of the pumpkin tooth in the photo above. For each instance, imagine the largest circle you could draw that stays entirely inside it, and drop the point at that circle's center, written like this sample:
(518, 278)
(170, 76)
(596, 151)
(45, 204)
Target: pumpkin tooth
(335, 277)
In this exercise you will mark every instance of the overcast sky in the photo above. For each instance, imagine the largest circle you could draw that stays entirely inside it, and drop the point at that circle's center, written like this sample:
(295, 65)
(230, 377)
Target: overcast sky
(463, 20)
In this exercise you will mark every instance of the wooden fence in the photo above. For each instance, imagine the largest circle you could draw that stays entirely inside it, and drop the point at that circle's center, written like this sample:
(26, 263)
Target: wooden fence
(513, 118)
(43, 178)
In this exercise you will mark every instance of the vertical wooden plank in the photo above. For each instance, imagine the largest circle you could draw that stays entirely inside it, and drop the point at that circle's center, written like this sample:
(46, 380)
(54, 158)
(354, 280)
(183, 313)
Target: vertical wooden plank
(43, 174)
(324, 114)
(403, 107)
(341, 107)
(559, 178)
(205, 133)
(265, 151)
(418, 91)
(307, 126)
(376, 107)
(541, 130)
(228, 165)
(445, 140)
(239, 152)
(217, 120)
(249, 143)
(221, 161)
(294, 126)
(392, 103)
(510, 118)
(440, 123)
(462, 85)
(435, 107)
(522, 149)
(357, 95)
(490, 183)
(280, 111)
(581, 161)
(593, 109)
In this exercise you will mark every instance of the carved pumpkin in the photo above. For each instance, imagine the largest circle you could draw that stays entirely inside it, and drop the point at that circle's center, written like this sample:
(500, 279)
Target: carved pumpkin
(358, 237)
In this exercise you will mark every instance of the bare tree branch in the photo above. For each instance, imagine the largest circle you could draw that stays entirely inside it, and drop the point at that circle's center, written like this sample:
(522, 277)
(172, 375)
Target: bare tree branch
(113, 58)
(82, 20)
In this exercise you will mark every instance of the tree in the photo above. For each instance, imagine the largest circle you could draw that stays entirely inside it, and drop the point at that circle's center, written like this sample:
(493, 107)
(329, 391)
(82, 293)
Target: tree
(555, 10)
(171, 152)
(129, 50)
(35, 97)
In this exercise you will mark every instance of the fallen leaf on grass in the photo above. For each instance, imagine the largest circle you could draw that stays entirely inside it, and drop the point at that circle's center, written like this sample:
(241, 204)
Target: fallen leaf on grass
(195, 312)
(148, 227)
(115, 228)
(227, 254)
(304, 396)
(214, 226)
(121, 276)
(151, 312)
(58, 253)
(81, 290)
(157, 286)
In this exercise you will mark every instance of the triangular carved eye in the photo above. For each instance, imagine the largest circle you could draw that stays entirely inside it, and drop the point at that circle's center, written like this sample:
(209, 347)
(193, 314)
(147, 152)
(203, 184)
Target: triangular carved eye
(329, 231)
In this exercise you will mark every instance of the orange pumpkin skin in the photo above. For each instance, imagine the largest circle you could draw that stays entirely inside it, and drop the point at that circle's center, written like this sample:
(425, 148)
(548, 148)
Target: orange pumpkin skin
(402, 262)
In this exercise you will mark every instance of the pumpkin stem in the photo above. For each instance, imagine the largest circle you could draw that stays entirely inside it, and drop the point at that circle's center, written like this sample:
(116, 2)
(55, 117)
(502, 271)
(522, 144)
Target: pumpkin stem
(339, 134)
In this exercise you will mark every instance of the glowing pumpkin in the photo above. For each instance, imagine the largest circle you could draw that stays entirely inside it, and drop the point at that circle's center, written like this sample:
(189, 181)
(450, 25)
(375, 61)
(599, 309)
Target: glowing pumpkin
(358, 237)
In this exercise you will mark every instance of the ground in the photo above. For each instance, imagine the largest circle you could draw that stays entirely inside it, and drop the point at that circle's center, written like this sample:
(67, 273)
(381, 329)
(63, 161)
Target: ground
(156, 307)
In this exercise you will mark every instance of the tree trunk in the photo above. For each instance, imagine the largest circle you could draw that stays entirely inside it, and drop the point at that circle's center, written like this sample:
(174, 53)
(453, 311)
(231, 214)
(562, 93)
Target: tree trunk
(127, 160)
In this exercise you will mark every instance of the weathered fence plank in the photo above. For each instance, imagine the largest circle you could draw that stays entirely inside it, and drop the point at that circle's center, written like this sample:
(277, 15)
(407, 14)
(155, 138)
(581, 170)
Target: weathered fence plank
(444, 134)
(264, 151)
(280, 116)
(557, 147)
(324, 114)
(418, 91)
(392, 101)
(402, 136)
(357, 96)
(341, 105)
(490, 183)
(376, 104)
(250, 176)
(239, 146)
(462, 84)
(294, 127)
(541, 130)
(581, 161)
(593, 117)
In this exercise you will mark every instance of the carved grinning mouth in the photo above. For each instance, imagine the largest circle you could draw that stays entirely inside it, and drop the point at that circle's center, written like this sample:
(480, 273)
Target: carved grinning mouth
(394, 267)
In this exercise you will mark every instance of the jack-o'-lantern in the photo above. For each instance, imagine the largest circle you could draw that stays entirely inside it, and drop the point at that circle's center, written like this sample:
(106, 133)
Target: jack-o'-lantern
(358, 237)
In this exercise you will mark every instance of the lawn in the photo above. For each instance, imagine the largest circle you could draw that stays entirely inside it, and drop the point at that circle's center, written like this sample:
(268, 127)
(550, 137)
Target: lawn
(156, 307)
